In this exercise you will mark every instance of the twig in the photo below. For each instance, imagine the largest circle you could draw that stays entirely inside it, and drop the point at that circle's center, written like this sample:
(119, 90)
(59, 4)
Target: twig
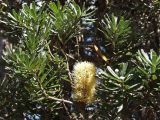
(69, 73)
(60, 100)
(40, 85)
(67, 111)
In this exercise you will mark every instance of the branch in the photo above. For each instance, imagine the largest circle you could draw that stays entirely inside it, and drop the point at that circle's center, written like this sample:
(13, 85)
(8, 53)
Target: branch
(50, 97)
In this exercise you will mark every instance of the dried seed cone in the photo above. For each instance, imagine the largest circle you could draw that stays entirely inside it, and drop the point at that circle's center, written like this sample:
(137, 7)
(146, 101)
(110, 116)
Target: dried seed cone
(84, 82)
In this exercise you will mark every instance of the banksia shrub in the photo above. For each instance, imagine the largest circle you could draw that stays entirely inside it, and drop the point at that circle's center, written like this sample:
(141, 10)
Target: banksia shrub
(84, 82)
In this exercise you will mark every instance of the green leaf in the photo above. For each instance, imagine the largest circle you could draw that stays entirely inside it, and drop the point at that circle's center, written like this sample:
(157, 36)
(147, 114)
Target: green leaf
(145, 57)
(112, 72)
(123, 69)
(53, 7)
(14, 16)
(154, 77)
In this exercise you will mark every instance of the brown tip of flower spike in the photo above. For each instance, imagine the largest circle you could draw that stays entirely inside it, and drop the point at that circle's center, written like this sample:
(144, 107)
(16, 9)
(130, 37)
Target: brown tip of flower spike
(84, 82)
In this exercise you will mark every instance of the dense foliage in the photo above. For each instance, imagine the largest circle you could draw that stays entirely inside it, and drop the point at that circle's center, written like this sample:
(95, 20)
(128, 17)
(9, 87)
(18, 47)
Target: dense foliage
(42, 40)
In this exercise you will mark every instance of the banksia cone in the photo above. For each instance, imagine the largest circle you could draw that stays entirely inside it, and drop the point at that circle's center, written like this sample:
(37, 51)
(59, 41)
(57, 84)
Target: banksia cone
(84, 82)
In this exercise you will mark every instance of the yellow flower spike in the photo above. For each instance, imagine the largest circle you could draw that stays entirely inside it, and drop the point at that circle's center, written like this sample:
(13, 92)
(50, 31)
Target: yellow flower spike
(84, 82)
